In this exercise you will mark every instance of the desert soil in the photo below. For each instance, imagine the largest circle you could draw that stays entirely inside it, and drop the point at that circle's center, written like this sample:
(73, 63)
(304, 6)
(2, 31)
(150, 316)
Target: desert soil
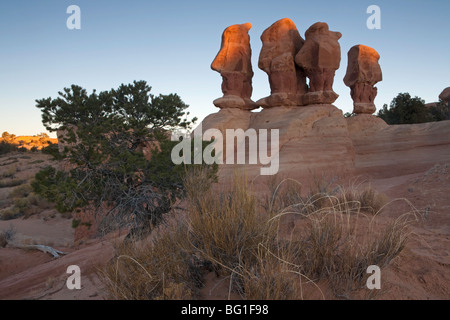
(421, 271)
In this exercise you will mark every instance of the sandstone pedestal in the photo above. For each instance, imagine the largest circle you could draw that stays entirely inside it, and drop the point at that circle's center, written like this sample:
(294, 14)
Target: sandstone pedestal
(312, 139)
(321, 97)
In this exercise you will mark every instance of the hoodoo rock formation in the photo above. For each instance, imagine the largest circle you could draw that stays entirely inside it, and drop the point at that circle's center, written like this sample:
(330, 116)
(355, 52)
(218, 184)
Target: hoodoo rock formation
(310, 137)
(320, 57)
(315, 137)
(233, 62)
(445, 95)
(363, 72)
(281, 43)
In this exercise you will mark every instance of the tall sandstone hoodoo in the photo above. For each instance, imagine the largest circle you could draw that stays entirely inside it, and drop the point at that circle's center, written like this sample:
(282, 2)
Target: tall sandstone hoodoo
(320, 57)
(363, 72)
(281, 43)
(233, 62)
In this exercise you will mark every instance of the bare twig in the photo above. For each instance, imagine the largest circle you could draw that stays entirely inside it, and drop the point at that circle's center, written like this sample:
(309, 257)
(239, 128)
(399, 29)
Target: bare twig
(55, 253)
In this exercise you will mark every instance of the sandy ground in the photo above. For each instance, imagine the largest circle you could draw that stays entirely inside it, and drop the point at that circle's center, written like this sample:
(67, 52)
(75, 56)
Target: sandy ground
(421, 271)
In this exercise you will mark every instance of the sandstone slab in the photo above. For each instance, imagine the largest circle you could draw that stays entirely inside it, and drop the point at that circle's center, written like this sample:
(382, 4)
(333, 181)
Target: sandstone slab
(311, 139)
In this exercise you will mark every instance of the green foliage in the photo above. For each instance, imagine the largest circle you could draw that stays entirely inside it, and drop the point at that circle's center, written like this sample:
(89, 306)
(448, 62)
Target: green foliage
(348, 115)
(76, 223)
(406, 110)
(58, 187)
(21, 191)
(104, 135)
(52, 149)
(24, 203)
(440, 112)
(9, 213)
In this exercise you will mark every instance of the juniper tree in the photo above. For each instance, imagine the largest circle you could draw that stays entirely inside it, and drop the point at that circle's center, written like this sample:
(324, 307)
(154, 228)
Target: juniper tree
(104, 135)
(404, 109)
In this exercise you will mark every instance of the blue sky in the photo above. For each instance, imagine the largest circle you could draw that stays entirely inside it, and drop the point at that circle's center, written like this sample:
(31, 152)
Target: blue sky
(171, 45)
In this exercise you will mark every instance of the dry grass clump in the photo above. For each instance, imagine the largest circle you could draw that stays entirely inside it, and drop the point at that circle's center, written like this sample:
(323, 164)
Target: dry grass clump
(334, 236)
(6, 236)
(226, 226)
(322, 194)
(338, 233)
(8, 183)
(273, 276)
(162, 267)
(24, 203)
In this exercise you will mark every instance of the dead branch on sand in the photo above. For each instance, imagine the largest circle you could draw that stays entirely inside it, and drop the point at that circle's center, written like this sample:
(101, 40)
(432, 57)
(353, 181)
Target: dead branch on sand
(55, 253)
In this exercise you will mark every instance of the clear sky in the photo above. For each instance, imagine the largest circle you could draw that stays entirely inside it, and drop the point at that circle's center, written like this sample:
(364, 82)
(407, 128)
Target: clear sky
(171, 45)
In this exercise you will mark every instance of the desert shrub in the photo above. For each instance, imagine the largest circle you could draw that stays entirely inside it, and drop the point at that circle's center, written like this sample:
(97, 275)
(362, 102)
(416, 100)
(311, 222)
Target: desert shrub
(5, 203)
(7, 147)
(9, 161)
(337, 236)
(159, 268)
(407, 110)
(25, 202)
(7, 235)
(21, 191)
(24, 207)
(9, 213)
(75, 223)
(440, 111)
(37, 161)
(8, 183)
(9, 173)
(3, 241)
(21, 204)
(365, 199)
(226, 227)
